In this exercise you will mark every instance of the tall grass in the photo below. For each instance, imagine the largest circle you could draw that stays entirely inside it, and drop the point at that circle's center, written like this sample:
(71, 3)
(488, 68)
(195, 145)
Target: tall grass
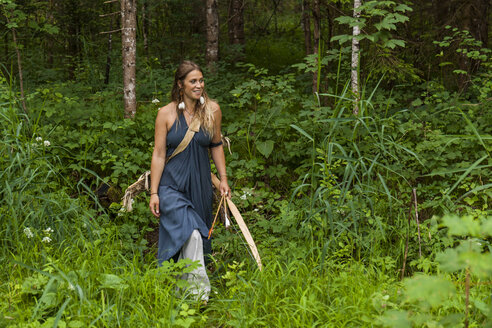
(364, 172)
(30, 188)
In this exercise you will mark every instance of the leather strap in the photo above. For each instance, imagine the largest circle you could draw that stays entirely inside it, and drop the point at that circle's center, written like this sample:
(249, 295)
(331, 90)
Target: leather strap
(192, 129)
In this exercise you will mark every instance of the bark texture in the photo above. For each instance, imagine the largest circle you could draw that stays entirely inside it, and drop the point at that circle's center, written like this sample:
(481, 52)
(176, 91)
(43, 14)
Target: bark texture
(145, 29)
(236, 22)
(19, 65)
(108, 56)
(355, 58)
(306, 26)
(317, 34)
(129, 54)
(212, 51)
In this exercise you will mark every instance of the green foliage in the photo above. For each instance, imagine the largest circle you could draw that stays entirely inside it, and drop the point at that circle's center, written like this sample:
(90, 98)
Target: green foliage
(468, 49)
(326, 195)
(380, 16)
(433, 300)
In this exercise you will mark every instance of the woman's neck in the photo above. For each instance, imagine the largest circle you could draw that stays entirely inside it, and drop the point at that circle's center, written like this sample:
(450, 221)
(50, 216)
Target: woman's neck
(190, 105)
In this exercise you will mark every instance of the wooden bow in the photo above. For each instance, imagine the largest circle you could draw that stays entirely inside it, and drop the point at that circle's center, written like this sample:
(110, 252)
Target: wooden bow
(241, 224)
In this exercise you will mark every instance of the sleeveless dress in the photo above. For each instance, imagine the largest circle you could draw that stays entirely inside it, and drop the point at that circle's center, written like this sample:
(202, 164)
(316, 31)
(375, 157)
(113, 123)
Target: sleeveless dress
(185, 192)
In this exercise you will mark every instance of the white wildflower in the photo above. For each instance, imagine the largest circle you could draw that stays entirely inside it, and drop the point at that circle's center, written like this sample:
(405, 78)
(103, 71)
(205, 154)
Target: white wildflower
(256, 210)
(121, 211)
(71, 287)
(47, 143)
(46, 240)
(155, 101)
(243, 196)
(39, 139)
(48, 230)
(28, 232)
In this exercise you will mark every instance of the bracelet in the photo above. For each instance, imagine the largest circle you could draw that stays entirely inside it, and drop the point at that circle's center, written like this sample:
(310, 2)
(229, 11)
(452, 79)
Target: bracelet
(153, 193)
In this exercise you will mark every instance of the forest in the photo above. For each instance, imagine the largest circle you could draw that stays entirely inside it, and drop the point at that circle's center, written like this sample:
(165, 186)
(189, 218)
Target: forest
(359, 158)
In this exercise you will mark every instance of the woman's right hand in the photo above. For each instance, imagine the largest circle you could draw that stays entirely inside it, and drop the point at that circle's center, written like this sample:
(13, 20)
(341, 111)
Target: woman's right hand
(154, 205)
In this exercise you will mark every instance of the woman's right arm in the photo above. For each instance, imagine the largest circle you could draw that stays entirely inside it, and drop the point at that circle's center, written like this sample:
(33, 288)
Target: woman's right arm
(158, 157)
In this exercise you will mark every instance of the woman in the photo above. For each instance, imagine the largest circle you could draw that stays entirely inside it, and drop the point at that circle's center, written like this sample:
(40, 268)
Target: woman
(181, 189)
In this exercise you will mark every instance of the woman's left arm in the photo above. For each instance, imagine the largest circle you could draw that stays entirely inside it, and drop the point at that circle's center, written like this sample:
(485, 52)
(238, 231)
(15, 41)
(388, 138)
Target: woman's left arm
(218, 153)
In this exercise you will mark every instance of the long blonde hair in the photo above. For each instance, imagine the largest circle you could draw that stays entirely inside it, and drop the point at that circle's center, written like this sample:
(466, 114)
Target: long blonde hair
(205, 112)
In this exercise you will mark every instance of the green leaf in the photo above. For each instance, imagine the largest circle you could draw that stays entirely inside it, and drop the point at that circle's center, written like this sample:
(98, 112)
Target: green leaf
(395, 318)
(462, 226)
(429, 290)
(448, 261)
(304, 133)
(487, 227)
(445, 64)
(265, 147)
(76, 324)
(111, 281)
(417, 102)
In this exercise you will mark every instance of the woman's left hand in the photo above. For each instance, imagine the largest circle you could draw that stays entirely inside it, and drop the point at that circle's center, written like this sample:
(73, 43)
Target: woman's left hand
(224, 188)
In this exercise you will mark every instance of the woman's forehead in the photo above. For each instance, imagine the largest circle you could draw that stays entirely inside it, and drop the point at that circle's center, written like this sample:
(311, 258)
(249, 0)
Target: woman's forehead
(195, 74)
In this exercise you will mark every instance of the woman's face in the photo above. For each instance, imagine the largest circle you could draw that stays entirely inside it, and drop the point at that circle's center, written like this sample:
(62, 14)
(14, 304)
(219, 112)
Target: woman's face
(193, 85)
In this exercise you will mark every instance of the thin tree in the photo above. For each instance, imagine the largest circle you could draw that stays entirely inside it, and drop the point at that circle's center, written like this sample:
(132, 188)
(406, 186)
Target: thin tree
(145, 29)
(317, 34)
(306, 26)
(235, 22)
(129, 54)
(355, 57)
(212, 51)
(110, 40)
(19, 62)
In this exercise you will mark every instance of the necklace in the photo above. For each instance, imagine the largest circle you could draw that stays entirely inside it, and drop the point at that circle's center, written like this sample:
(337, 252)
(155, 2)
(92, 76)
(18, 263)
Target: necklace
(191, 115)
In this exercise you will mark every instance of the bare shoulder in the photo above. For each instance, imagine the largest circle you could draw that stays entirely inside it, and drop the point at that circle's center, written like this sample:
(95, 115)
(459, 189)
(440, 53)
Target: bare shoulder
(166, 115)
(215, 108)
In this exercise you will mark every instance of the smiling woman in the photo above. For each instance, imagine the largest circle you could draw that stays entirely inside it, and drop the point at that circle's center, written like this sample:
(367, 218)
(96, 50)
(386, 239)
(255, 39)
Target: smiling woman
(181, 187)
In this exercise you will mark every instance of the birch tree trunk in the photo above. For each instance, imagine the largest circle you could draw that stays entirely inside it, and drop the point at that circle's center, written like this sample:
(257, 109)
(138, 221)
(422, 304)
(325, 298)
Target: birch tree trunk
(306, 26)
(317, 33)
(129, 54)
(212, 52)
(355, 58)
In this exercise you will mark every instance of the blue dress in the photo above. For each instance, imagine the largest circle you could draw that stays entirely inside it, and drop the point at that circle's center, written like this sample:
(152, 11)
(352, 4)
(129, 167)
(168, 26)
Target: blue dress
(185, 192)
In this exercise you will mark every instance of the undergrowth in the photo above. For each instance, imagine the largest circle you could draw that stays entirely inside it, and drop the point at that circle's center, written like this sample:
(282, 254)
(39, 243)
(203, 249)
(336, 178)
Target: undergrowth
(327, 196)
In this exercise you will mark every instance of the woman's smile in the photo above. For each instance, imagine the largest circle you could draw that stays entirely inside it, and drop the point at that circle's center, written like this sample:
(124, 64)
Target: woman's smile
(193, 85)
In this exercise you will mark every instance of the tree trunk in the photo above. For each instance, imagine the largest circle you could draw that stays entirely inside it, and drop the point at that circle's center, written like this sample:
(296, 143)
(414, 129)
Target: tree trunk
(317, 33)
(212, 51)
(6, 47)
(306, 26)
(355, 58)
(145, 28)
(129, 54)
(48, 49)
(72, 11)
(236, 22)
(19, 65)
(110, 49)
